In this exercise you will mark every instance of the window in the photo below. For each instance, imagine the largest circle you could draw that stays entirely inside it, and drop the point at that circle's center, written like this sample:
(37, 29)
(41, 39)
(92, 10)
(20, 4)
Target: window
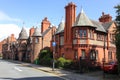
(61, 40)
(91, 34)
(76, 33)
(82, 33)
(96, 54)
(101, 37)
(110, 55)
(83, 54)
(36, 40)
(75, 54)
(112, 38)
(93, 55)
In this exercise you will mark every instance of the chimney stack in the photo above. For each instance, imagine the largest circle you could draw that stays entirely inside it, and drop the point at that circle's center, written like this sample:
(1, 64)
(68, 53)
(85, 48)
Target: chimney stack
(105, 18)
(70, 16)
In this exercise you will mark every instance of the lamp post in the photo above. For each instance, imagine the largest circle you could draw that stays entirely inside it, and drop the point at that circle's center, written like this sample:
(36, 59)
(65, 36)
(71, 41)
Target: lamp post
(53, 44)
(104, 57)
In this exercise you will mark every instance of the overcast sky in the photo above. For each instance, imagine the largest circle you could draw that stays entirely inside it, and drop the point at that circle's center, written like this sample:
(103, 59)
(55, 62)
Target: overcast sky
(14, 12)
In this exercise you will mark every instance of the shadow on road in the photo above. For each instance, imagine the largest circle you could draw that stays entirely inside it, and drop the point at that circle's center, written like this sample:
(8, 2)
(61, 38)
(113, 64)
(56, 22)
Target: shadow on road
(33, 78)
(11, 61)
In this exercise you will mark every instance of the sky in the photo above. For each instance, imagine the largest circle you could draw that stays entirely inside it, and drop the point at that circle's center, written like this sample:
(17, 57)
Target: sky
(13, 13)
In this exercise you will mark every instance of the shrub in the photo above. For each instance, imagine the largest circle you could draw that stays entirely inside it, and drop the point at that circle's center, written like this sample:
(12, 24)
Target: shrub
(63, 63)
(60, 62)
(46, 61)
(68, 64)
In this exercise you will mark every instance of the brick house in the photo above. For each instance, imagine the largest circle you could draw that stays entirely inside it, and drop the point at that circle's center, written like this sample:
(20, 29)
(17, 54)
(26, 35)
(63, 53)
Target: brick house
(82, 37)
(76, 37)
(5, 47)
(27, 47)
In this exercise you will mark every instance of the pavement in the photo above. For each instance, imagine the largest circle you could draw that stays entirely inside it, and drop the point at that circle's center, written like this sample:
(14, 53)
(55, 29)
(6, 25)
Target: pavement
(69, 75)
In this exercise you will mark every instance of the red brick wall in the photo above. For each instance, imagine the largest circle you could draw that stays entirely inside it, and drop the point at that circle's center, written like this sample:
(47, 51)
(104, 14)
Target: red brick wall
(70, 15)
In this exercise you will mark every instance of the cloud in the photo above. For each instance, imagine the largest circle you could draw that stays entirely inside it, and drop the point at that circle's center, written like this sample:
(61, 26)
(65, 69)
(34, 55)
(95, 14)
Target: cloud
(5, 17)
(8, 29)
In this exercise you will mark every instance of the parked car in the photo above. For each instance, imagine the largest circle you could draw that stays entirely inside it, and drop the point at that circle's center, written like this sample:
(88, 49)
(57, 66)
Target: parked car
(111, 67)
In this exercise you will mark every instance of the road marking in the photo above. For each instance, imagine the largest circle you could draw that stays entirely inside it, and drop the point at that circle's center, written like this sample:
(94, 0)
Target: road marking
(16, 68)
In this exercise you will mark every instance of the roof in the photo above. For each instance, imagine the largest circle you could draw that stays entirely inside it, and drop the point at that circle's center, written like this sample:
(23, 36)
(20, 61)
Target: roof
(83, 20)
(46, 31)
(98, 25)
(107, 25)
(37, 32)
(23, 34)
(60, 27)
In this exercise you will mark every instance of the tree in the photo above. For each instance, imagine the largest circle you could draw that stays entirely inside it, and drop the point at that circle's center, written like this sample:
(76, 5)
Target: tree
(117, 36)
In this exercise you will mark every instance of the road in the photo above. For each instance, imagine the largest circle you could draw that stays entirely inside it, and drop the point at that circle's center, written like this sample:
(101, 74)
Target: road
(16, 71)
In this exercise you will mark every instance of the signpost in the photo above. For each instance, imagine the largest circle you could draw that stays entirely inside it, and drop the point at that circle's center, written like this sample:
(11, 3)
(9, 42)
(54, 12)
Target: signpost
(53, 44)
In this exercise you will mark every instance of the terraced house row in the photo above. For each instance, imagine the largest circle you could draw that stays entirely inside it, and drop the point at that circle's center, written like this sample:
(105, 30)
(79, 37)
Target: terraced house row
(27, 48)
(76, 38)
